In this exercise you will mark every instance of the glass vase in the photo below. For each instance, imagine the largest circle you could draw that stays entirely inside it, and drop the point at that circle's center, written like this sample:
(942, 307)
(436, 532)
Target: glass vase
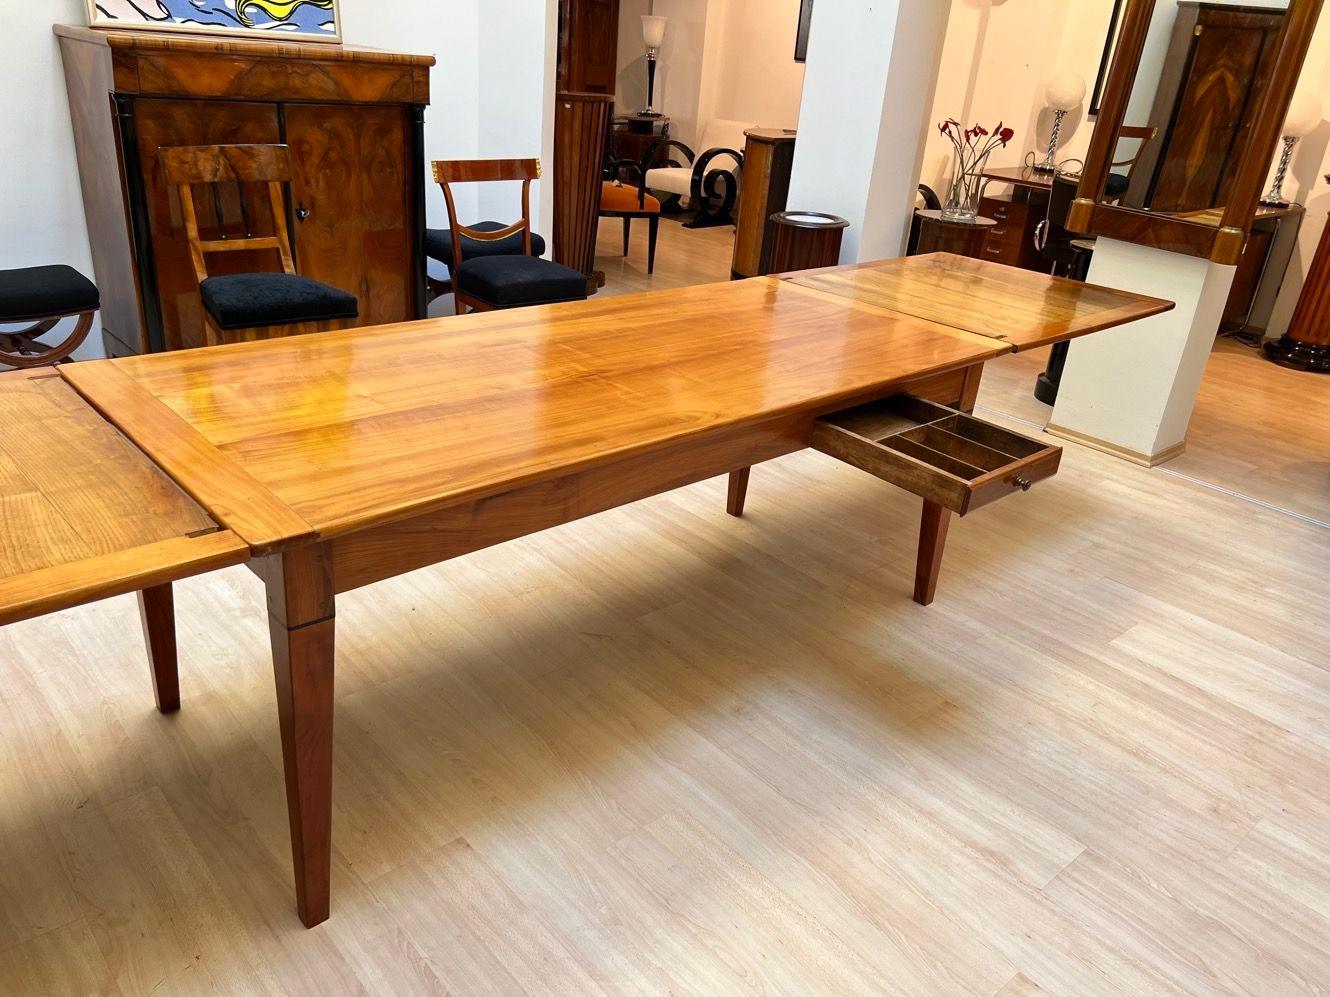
(962, 202)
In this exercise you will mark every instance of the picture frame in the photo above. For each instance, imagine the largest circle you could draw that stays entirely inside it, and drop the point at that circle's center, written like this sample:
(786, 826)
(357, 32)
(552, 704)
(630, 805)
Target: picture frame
(275, 20)
(1106, 60)
(801, 35)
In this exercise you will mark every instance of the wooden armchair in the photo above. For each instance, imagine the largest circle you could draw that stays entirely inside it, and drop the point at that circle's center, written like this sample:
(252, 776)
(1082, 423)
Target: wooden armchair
(712, 191)
(252, 305)
(511, 279)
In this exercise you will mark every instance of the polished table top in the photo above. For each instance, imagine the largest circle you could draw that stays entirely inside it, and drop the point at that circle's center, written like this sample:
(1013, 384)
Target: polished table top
(346, 429)
(1022, 308)
(253, 447)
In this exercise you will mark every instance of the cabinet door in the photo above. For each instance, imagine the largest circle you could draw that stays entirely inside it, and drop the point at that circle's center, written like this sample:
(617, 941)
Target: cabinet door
(198, 122)
(1229, 66)
(351, 192)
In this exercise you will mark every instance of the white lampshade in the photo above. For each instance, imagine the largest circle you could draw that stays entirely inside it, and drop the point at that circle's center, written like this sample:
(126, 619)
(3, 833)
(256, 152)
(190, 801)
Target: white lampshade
(653, 30)
(1304, 114)
(1065, 92)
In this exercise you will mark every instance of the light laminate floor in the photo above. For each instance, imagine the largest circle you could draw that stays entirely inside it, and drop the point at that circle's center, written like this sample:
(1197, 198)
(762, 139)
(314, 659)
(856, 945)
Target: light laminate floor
(662, 750)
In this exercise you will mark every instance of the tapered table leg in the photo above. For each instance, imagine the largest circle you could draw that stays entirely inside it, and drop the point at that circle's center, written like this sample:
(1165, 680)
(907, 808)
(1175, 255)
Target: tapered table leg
(301, 620)
(932, 540)
(734, 504)
(157, 611)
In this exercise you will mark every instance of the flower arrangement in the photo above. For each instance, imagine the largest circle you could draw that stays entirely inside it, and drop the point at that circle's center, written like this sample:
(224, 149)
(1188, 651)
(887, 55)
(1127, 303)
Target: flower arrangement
(971, 149)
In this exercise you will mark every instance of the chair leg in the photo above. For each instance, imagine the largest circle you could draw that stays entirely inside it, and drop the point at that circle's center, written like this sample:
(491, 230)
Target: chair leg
(652, 231)
(627, 233)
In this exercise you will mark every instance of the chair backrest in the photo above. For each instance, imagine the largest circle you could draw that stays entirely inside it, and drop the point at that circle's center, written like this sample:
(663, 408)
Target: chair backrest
(1060, 196)
(451, 171)
(213, 166)
(1145, 133)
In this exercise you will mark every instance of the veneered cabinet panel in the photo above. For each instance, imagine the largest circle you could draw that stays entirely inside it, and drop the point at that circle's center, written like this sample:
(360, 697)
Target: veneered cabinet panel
(352, 192)
(196, 122)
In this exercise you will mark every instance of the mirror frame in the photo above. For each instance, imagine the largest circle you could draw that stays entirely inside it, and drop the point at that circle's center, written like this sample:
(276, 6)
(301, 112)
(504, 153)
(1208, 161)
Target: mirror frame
(1220, 244)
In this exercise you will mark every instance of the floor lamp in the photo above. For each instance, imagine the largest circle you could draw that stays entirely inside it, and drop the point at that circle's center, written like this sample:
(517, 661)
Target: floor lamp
(653, 33)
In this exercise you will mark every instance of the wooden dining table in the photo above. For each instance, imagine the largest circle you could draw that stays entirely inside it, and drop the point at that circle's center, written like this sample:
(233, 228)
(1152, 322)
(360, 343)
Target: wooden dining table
(331, 461)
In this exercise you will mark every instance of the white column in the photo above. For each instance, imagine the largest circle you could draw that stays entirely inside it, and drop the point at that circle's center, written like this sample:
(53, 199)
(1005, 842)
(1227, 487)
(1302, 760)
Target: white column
(1130, 391)
(868, 85)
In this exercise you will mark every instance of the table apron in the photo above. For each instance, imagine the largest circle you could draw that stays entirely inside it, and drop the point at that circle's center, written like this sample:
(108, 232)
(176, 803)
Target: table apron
(394, 548)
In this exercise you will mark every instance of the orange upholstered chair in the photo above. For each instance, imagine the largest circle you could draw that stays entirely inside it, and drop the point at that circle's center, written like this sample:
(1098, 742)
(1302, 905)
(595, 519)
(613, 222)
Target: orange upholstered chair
(618, 200)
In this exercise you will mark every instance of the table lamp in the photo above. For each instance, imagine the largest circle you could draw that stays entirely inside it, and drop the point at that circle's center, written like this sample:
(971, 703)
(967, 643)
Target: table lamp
(1064, 93)
(653, 33)
(1304, 114)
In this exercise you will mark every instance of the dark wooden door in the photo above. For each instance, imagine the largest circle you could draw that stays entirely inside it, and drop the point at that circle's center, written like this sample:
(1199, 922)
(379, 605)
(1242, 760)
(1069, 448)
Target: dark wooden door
(198, 122)
(1229, 65)
(351, 195)
(588, 45)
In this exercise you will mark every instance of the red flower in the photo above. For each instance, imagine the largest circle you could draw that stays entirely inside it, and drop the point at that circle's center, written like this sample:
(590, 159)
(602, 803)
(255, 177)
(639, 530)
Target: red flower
(1005, 134)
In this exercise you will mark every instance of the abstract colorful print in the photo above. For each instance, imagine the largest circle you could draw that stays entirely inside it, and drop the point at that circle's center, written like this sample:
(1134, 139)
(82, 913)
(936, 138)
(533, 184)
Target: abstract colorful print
(305, 17)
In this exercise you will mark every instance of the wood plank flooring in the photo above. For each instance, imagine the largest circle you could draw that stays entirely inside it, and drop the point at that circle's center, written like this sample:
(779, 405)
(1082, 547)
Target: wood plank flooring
(663, 750)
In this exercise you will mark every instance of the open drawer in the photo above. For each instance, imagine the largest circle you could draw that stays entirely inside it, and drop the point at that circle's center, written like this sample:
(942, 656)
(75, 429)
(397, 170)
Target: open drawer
(942, 455)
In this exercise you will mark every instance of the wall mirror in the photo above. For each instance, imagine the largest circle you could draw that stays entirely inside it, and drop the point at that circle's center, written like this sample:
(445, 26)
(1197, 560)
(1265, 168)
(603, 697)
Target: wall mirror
(1189, 121)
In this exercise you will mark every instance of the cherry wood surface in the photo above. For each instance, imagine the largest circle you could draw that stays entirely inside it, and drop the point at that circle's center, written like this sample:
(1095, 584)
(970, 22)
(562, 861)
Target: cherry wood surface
(86, 514)
(1019, 307)
(350, 429)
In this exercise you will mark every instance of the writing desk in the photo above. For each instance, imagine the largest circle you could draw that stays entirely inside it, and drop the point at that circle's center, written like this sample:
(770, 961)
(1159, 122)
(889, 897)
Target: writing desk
(331, 461)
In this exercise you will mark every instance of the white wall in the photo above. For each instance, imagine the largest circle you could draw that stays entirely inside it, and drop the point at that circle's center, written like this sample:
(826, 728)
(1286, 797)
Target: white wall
(729, 59)
(41, 212)
(41, 206)
(756, 78)
(630, 81)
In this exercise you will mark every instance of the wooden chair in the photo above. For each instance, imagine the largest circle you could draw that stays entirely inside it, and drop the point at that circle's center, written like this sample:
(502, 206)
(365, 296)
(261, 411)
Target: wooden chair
(44, 296)
(246, 306)
(618, 200)
(503, 281)
(1118, 183)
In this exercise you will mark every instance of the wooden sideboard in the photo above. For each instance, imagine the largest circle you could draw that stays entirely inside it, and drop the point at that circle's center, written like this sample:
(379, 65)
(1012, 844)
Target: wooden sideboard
(354, 121)
(768, 159)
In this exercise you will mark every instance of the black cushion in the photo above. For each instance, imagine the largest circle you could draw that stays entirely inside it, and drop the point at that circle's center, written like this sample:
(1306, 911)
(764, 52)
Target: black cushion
(508, 281)
(1116, 185)
(439, 244)
(253, 300)
(41, 292)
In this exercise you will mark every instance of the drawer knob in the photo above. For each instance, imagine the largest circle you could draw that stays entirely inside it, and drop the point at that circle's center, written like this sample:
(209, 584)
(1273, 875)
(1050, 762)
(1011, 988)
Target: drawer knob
(1022, 483)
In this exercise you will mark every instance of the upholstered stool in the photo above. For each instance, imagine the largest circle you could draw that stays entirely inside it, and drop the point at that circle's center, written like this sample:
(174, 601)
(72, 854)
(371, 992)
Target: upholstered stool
(44, 296)
(618, 200)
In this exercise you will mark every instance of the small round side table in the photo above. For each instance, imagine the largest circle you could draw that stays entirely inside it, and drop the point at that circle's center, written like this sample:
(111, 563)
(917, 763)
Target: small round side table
(942, 235)
(804, 240)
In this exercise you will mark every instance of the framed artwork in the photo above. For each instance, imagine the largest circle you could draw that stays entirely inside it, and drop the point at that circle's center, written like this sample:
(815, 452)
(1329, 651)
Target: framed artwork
(801, 37)
(299, 20)
(1105, 61)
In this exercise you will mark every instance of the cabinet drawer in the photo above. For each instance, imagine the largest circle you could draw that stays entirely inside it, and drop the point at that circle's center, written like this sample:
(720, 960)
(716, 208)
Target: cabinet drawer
(939, 454)
(1002, 252)
(1004, 211)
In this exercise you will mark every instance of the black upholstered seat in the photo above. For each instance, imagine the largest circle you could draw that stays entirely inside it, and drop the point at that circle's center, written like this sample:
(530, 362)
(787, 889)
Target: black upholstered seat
(510, 281)
(1115, 185)
(45, 292)
(439, 244)
(254, 300)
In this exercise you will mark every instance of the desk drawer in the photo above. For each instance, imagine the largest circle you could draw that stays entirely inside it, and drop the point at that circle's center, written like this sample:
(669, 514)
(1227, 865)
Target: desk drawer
(939, 454)
(1004, 211)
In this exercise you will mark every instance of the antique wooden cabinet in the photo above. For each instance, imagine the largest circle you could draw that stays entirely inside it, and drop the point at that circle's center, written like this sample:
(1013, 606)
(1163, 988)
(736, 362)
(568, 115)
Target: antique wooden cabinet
(352, 117)
(1217, 68)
